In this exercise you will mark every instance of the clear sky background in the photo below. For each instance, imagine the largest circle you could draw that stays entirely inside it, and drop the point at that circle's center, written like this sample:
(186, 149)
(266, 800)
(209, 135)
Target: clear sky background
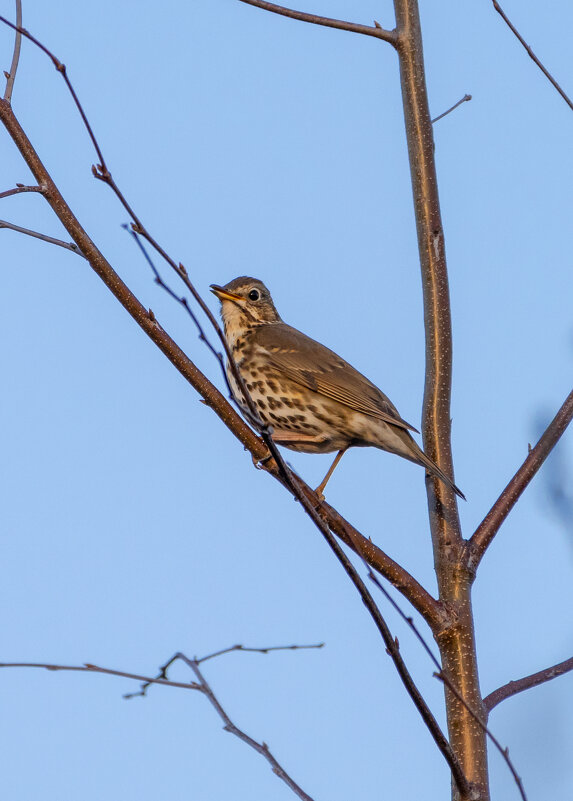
(134, 525)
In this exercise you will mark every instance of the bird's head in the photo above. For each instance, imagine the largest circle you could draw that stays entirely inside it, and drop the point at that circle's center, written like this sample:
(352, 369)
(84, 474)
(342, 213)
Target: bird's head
(245, 302)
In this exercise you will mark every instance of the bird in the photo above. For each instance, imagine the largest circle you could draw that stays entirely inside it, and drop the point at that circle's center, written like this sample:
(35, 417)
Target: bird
(311, 398)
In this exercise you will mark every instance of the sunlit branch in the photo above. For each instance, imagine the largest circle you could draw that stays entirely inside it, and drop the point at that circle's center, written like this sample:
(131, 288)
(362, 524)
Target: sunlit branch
(533, 680)
(491, 524)
(376, 30)
(503, 751)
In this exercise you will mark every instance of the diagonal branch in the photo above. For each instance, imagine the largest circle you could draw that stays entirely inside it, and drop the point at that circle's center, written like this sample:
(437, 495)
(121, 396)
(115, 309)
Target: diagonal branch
(530, 53)
(490, 525)
(11, 76)
(44, 237)
(376, 30)
(533, 680)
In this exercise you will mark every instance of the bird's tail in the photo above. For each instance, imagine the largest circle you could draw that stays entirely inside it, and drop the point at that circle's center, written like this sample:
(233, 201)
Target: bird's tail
(433, 468)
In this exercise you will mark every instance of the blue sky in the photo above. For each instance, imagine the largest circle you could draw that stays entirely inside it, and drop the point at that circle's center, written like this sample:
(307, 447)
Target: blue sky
(135, 525)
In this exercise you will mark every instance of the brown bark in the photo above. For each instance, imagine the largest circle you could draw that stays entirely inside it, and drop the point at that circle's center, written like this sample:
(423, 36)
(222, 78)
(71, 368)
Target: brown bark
(457, 644)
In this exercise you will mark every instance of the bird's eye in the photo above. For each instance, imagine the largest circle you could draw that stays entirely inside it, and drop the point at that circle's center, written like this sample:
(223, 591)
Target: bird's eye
(254, 294)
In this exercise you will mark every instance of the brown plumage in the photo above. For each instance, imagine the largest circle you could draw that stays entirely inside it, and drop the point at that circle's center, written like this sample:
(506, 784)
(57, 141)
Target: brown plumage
(314, 400)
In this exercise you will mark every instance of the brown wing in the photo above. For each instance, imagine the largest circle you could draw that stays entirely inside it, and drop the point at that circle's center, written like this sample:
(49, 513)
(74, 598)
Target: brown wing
(311, 365)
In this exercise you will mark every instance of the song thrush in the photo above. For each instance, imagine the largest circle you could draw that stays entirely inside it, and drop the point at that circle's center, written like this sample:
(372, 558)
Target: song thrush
(314, 401)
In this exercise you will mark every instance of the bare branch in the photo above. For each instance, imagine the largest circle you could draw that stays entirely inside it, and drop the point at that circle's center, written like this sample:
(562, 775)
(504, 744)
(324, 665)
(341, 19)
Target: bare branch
(21, 188)
(182, 300)
(200, 686)
(464, 99)
(245, 649)
(61, 68)
(530, 53)
(533, 680)
(229, 726)
(377, 30)
(490, 525)
(88, 668)
(11, 76)
(44, 237)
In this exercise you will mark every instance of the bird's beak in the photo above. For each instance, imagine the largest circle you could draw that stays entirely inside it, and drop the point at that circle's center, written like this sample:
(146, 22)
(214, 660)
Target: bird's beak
(223, 294)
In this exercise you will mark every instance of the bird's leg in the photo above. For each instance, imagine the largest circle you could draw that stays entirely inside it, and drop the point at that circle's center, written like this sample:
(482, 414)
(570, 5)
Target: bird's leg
(320, 489)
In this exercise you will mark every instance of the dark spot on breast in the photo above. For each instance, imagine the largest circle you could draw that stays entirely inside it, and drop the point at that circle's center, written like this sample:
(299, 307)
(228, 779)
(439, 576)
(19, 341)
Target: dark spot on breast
(272, 385)
(273, 403)
(286, 402)
(261, 404)
(311, 408)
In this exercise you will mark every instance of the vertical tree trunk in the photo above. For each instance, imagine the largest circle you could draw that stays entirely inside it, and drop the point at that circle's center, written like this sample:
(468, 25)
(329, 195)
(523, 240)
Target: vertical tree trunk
(457, 643)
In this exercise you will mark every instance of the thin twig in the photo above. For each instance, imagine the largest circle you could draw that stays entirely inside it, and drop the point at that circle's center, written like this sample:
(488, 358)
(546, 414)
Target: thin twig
(229, 726)
(11, 76)
(89, 668)
(490, 525)
(201, 686)
(21, 188)
(533, 680)
(182, 300)
(464, 99)
(245, 649)
(377, 30)
(44, 237)
(503, 751)
(530, 52)
(61, 68)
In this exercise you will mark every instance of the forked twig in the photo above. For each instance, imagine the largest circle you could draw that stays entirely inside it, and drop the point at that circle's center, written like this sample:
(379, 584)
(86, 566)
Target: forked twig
(530, 53)
(200, 686)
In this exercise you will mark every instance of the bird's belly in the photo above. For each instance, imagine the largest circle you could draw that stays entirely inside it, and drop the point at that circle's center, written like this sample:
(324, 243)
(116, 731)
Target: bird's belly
(301, 420)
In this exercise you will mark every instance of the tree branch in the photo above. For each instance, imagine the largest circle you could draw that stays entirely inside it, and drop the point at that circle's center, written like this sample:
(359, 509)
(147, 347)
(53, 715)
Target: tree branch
(503, 751)
(533, 680)
(229, 726)
(464, 99)
(200, 686)
(44, 237)
(21, 188)
(530, 53)
(11, 76)
(457, 644)
(377, 31)
(488, 528)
